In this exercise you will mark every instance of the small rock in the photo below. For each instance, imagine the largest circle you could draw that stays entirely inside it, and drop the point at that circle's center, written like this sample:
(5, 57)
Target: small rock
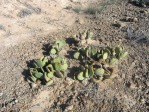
(61, 92)
(1, 94)
(83, 42)
(69, 108)
(38, 82)
(85, 82)
(132, 86)
(75, 1)
(135, 19)
(119, 24)
(69, 81)
(24, 12)
(147, 83)
(86, 95)
(16, 101)
(143, 101)
(80, 21)
(33, 85)
(130, 19)
(146, 12)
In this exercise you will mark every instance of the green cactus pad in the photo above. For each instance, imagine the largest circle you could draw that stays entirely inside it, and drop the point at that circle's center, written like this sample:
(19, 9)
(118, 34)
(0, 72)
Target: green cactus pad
(113, 61)
(60, 74)
(49, 68)
(90, 71)
(93, 51)
(80, 76)
(105, 56)
(49, 82)
(118, 50)
(60, 44)
(46, 77)
(76, 55)
(86, 73)
(99, 72)
(123, 54)
(64, 66)
(53, 51)
(107, 50)
(50, 74)
(57, 66)
(38, 75)
(34, 79)
(90, 35)
(99, 56)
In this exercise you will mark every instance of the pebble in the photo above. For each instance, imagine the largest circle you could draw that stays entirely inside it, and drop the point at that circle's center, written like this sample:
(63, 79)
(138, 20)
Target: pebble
(143, 101)
(69, 108)
(130, 19)
(69, 80)
(119, 24)
(135, 19)
(61, 92)
(33, 85)
(85, 82)
(1, 94)
(16, 101)
(147, 83)
(75, 1)
(132, 86)
(146, 12)
(80, 21)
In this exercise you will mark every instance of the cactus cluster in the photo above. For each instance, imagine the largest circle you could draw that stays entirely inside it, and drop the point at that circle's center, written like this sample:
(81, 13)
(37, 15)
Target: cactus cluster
(44, 69)
(98, 72)
(97, 58)
(57, 46)
(83, 38)
(110, 55)
(95, 61)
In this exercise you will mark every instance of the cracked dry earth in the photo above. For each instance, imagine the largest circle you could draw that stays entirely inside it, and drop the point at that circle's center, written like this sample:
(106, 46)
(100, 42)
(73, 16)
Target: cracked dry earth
(27, 27)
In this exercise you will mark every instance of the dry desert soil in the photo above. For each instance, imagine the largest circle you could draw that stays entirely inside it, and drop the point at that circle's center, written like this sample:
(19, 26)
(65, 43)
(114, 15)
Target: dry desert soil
(28, 26)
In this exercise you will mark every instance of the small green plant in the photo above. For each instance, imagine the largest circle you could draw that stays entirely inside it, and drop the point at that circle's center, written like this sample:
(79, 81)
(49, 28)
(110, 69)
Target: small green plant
(98, 8)
(68, 7)
(93, 9)
(140, 2)
(77, 9)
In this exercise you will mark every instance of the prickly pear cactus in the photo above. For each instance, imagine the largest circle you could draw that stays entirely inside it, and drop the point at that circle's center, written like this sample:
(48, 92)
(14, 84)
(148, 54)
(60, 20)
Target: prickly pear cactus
(95, 62)
(60, 66)
(57, 46)
(44, 70)
(83, 38)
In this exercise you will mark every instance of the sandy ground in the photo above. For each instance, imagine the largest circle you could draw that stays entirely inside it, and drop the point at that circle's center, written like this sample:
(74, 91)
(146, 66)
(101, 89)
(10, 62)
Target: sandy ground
(27, 26)
(23, 19)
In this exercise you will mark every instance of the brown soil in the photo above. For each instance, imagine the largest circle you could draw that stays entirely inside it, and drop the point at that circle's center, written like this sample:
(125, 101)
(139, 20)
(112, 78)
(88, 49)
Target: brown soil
(128, 92)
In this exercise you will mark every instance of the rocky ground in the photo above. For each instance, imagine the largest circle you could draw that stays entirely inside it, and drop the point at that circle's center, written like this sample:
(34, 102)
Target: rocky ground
(27, 27)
